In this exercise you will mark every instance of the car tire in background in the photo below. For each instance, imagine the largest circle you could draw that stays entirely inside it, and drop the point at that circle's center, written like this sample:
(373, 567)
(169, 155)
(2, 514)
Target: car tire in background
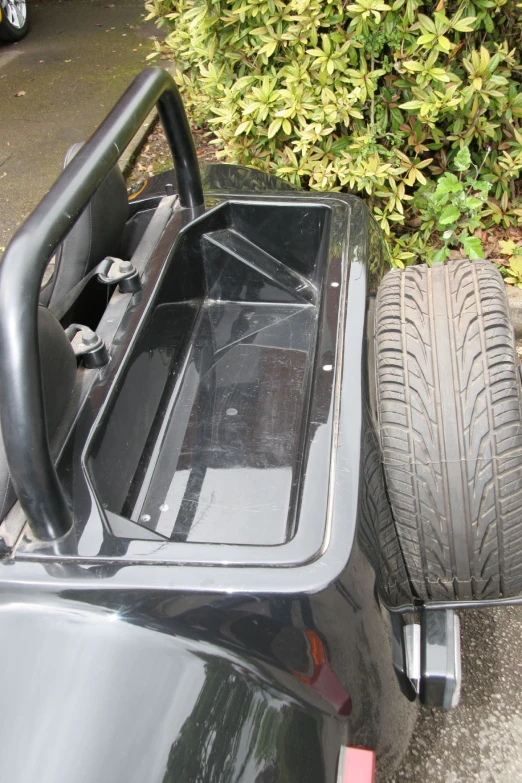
(14, 24)
(449, 409)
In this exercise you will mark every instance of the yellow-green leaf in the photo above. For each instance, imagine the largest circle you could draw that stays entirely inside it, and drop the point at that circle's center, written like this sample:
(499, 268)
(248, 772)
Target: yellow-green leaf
(274, 127)
(465, 25)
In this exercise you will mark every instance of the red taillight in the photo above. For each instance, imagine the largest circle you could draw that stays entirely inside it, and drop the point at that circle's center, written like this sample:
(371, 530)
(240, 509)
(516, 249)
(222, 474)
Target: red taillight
(356, 765)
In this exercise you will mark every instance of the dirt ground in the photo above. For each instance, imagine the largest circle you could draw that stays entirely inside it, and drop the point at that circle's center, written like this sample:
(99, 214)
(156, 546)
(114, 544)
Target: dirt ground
(56, 85)
(155, 156)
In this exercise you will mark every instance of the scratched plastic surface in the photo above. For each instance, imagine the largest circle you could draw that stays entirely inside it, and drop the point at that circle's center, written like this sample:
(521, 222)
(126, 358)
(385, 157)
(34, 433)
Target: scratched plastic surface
(227, 462)
(219, 383)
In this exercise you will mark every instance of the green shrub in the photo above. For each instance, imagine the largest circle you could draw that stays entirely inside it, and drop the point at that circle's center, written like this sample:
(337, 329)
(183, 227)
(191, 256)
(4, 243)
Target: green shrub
(512, 266)
(417, 106)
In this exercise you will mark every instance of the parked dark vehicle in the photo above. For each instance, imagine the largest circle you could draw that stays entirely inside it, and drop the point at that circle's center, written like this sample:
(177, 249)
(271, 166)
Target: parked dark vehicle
(14, 20)
(244, 485)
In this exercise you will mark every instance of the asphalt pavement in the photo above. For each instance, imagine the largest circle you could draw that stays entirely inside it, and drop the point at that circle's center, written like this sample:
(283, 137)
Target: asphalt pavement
(55, 87)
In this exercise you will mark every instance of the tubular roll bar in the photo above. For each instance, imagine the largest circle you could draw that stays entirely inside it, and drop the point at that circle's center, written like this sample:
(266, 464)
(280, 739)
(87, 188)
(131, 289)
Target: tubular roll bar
(21, 395)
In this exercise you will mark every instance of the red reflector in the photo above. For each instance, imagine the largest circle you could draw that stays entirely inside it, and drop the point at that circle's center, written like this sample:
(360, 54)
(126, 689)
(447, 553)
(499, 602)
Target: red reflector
(356, 765)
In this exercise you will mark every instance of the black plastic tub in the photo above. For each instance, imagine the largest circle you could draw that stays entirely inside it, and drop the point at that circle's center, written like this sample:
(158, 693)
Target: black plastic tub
(211, 417)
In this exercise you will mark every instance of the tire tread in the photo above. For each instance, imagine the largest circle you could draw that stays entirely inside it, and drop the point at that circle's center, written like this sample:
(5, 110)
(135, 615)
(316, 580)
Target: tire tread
(448, 390)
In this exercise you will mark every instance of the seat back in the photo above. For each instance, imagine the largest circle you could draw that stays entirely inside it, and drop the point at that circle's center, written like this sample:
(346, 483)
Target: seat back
(96, 234)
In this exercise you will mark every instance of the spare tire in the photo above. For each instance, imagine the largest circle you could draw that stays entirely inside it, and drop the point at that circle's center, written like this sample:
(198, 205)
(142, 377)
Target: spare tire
(449, 410)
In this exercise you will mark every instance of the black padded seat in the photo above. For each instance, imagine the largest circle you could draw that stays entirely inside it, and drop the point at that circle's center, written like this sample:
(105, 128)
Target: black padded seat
(58, 364)
(96, 234)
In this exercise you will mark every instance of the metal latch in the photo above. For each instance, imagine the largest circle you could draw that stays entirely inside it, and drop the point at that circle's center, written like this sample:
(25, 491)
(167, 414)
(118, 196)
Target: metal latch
(88, 345)
(121, 272)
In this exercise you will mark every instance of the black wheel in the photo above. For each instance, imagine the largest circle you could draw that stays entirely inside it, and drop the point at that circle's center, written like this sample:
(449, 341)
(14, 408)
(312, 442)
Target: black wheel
(449, 407)
(15, 20)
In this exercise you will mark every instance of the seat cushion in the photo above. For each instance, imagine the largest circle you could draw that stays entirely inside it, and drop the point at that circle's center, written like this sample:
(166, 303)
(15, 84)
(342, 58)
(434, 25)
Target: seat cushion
(96, 234)
(58, 364)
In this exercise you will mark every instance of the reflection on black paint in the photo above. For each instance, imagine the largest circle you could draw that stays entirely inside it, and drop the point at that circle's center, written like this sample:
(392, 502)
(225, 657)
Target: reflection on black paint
(239, 732)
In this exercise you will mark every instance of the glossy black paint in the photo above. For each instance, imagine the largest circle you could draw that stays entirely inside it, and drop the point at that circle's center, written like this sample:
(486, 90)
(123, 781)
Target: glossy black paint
(21, 403)
(202, 644)
(132, 704)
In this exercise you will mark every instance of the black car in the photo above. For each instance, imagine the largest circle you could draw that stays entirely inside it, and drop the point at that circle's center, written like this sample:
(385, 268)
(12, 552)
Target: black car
(247, 478)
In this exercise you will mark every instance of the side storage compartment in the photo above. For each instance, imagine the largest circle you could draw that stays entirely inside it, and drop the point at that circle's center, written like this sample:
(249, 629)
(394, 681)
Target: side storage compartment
(203, 436)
